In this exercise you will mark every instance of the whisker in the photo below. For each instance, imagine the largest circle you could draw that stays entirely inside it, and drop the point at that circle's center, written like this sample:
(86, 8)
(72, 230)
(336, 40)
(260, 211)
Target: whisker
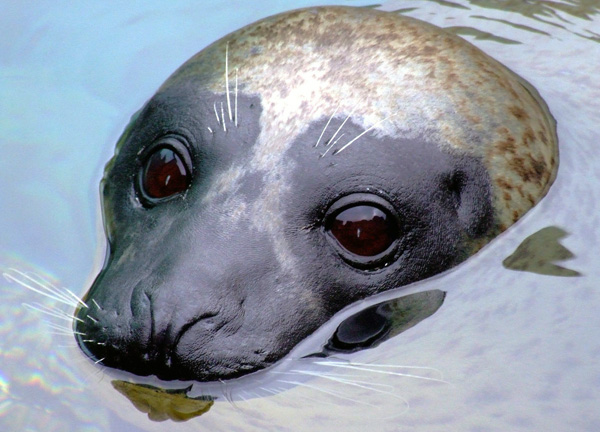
(360, 366)
(393, 366)
(331, 393)
(236, 97)
(227, 393)
(56, 313)
(267, 390)
(359, 384)
(227, 80)
(44, 288)
(91, 318)
(63, 330)
(223, 116)
(327, 124)
(361, 134)
(96, 304)
(335, 378)
(336, 132)
(216, 113)
(333, 144)
(71, 345)
(209, 129)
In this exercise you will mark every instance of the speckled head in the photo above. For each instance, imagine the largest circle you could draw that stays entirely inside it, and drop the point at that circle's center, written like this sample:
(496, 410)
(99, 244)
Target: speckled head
(295, 166)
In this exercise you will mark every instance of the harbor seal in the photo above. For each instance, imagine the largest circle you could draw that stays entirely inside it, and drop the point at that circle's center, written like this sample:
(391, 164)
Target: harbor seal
(295, 166)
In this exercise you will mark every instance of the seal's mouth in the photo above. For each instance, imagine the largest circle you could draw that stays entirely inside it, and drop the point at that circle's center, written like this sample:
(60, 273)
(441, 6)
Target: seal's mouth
(192, 352)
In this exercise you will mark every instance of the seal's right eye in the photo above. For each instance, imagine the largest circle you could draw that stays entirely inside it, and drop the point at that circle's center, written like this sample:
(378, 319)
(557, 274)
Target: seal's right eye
(165, 171)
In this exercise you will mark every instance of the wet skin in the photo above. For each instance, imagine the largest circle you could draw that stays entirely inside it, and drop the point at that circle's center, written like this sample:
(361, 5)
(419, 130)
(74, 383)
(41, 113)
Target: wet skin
(296, 166)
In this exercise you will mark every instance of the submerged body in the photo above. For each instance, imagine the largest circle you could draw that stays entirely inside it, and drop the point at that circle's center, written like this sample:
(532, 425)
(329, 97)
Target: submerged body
(295, 166)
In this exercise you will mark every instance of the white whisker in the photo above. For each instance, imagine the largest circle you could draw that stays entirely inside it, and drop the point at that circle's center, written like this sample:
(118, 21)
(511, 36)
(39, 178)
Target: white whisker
(91, 318)
(227, 80)
(56, 333)
(327, 124)
(216, 113)
(371, 368)
(360, 384)
(336, 132)
(43, 287)
(236, 97)
(361, 134)
(96, 304)
(331, 393)
(331, 146)
(273, 392)
(63, 330)
(209, 129)
(223, 116)
(53, 312)
(337, 378)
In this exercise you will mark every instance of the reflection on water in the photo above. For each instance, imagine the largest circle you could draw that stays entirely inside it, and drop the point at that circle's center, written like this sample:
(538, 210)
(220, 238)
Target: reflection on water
(539, 252)
(161, 405)
(519, 348)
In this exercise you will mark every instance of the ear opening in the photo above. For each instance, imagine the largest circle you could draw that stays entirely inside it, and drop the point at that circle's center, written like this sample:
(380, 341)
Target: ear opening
(471, 187)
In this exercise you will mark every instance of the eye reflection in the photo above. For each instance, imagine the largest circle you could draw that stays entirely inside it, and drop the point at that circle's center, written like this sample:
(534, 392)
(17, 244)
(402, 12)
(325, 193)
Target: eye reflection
(164, 174)
(364, 230)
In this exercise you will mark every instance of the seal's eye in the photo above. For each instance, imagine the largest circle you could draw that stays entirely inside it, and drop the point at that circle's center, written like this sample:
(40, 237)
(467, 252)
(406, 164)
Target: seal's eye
(165, 171)
(363, 232)
(164, 174)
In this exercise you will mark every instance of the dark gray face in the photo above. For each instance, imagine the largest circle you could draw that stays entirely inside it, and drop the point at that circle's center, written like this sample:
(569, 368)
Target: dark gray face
(215, 280)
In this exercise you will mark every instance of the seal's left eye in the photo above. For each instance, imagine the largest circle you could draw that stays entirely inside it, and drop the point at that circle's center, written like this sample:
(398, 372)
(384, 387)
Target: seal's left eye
(164, 173)
(365, 229)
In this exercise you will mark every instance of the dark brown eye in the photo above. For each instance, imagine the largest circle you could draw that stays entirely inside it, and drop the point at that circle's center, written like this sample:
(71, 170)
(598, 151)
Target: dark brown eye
(364, 230)
(164, 174)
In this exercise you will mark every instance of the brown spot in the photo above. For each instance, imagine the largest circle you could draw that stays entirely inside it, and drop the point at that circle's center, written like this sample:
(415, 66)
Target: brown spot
(504, 184)
(543, 137)
(503, 130)
(528, 137)
(518, 112)
(507, 196)
(507, 146)
(531, 199)
(515, 215)
(539, 168)
(517, 164)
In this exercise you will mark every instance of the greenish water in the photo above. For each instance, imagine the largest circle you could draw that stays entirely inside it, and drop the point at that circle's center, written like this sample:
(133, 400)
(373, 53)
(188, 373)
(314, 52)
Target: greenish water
(509, 350)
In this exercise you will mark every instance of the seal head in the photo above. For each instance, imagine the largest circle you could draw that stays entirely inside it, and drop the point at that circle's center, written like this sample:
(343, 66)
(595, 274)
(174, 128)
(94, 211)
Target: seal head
(293, 167)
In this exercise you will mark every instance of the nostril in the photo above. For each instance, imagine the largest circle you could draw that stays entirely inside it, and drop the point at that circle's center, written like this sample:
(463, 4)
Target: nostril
(208, 321)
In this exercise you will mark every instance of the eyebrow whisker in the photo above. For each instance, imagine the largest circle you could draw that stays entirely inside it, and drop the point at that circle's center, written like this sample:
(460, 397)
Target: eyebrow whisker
(227, 81)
